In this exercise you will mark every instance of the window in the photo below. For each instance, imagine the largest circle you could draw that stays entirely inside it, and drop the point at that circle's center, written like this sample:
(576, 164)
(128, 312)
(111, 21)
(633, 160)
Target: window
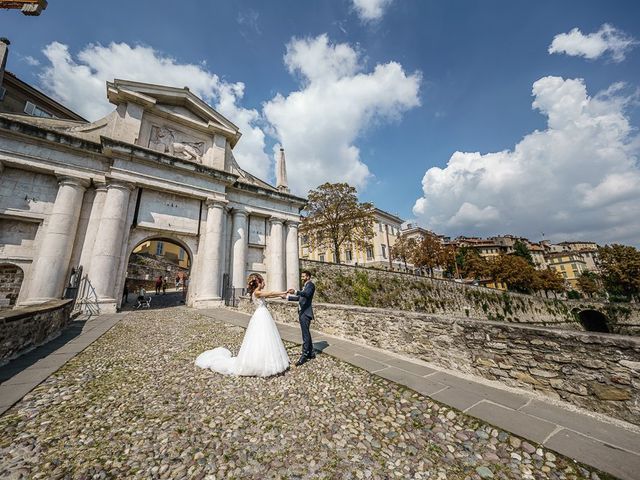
(380, 226)
(181, 254)
(369, 252)
(348, 255)
(321, 257)
(573, 266)
(159, 248)
(32, 109)
(333, 255)
(3, 92)
(384, 251)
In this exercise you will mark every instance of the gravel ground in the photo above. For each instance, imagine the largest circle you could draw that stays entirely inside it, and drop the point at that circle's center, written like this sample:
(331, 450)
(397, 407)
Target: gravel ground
(133, 405)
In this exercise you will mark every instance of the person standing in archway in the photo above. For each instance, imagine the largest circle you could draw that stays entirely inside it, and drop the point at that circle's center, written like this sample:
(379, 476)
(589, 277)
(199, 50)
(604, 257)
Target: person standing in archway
(158, 284)
(164, 286)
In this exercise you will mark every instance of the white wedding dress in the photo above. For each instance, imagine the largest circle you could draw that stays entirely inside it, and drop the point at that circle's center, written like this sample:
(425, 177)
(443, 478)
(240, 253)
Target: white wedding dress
(262, 353)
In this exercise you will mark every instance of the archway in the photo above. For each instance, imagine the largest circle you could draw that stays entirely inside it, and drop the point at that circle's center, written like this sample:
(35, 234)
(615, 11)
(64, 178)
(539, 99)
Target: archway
(161, 267)
(593, 321)
(11, 277)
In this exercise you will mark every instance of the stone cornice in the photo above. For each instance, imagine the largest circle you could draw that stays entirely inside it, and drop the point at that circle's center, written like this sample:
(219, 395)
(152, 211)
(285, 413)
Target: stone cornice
(63, 139)
(118, 148)
(270, 193)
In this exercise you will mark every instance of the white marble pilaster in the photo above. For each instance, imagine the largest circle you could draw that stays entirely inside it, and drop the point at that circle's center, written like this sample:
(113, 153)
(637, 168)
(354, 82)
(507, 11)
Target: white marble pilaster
(292, 256)
(92, 227)
(276, 254)
(48, 274)
(239, 247)
(210, 277)
(107, 247)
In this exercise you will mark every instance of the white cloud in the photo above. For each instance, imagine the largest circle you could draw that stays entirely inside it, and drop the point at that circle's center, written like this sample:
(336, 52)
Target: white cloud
(79, 83)
(32, 62)
(594, 45)
(338, 100)
(370, 10)
(579, 178)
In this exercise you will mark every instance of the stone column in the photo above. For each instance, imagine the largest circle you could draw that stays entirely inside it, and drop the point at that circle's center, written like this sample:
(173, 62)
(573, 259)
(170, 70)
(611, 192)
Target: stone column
(209, 289)
(239, 248)
(107, 247)
(293, 256)
(92, 227)
(277, 260)
(49, 272)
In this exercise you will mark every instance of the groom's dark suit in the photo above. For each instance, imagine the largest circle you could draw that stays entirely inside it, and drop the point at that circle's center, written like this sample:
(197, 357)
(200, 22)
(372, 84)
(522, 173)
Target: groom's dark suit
(305, 312)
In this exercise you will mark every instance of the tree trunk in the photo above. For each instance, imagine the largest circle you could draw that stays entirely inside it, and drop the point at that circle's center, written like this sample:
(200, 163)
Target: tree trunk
(336, 250)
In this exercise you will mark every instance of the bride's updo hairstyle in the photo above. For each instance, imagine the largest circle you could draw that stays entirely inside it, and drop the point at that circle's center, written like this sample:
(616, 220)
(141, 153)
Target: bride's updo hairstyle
(253, 282)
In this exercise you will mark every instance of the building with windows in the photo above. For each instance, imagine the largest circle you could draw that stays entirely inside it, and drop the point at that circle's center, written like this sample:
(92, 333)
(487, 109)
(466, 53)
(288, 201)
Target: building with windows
(169, 251)
(21, 98)
(568, 264)
(386, 229)
(159, 167)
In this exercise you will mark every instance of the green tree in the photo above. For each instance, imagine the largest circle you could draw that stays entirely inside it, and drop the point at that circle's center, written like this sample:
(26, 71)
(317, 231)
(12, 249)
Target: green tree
(549, 280)
(620, 269)
(589, 283)
(515, 271)
(471, 264)
(335, 217)
(520, 249)
(428, 253)
(403, 249)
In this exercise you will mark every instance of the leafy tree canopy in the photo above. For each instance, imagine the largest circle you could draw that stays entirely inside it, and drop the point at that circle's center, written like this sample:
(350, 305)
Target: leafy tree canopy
(336, 218)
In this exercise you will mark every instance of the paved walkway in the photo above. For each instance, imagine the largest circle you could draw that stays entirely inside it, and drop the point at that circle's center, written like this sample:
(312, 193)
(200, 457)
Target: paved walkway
(23, 374)
(603, 445)
(607, 446)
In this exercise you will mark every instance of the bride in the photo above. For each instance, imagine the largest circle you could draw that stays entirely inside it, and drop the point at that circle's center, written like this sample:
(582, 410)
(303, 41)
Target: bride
(262, 352)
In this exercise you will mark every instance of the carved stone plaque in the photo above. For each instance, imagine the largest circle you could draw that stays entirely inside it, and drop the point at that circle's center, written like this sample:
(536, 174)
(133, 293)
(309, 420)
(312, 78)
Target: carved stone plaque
(176, 143)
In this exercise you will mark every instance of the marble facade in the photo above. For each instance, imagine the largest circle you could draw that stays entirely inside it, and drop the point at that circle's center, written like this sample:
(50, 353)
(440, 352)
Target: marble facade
(161, 165)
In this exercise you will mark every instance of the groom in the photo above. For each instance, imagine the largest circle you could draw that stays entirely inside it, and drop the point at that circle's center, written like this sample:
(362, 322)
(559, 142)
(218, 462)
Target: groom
(305, 313)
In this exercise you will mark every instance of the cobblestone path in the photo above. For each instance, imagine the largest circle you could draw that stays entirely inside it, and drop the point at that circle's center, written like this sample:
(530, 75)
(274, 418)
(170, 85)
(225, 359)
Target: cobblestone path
(134, 406)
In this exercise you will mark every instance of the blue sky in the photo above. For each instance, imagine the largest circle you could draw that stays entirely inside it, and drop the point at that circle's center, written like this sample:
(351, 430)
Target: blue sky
(423, 79)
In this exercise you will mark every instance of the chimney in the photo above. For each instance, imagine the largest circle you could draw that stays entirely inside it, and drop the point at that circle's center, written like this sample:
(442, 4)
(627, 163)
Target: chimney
(281, 173)
(4, 53)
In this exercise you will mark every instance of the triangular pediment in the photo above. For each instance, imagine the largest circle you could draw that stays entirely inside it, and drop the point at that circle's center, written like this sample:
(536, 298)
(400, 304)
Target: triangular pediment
(178, 104)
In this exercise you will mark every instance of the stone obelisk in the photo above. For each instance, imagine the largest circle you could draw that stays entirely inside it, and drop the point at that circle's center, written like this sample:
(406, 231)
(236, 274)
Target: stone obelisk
(281, 173)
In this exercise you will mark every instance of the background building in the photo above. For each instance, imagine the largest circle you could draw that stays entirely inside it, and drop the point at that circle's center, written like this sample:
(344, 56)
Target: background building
(19, 97)
(386, 229)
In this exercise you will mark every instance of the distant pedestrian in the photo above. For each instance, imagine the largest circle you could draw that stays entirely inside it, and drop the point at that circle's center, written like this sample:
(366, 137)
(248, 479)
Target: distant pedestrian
(185, 287)
(125, 293)
(164, 286)
(158, 284)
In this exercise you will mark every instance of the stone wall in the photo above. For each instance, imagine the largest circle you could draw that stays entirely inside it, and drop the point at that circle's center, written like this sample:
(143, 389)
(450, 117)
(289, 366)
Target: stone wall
(345, 284)
(11, 277)
(24, 328)
(600, 372)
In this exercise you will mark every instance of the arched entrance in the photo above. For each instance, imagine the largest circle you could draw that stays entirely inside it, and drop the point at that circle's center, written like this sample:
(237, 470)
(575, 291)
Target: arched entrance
(161, 267)
(11, 277)
(593, 321)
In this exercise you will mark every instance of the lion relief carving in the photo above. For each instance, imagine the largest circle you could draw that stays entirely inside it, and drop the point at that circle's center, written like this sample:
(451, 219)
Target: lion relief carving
(173, 142)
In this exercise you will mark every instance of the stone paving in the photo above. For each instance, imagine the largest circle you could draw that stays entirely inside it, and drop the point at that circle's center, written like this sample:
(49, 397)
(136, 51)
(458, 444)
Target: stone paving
(132, 405)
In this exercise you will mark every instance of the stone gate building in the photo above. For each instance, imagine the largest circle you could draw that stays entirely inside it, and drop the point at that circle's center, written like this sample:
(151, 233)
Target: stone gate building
(160, 166)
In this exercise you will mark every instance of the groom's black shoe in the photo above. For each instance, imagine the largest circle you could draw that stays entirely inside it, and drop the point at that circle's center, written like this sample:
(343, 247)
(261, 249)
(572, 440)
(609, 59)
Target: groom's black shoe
(302, 360)
(311, 356)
